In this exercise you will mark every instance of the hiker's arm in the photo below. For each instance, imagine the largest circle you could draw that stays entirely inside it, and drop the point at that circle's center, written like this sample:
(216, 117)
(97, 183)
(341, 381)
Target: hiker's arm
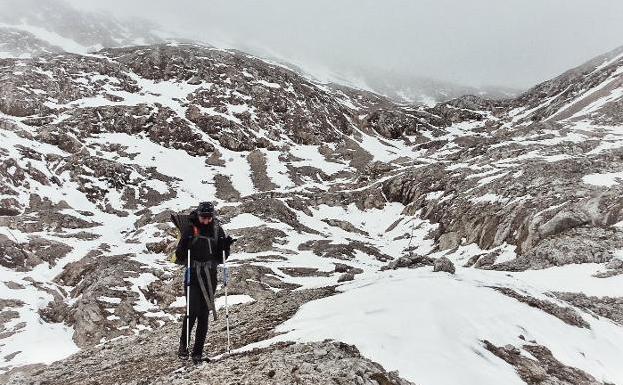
(182, 246)
(225, 242)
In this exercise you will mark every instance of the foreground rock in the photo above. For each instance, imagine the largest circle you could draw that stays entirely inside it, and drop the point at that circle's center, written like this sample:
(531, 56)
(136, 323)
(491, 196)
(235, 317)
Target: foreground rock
(444, 264)
(150, 357)
(544, 369)
(326, 362)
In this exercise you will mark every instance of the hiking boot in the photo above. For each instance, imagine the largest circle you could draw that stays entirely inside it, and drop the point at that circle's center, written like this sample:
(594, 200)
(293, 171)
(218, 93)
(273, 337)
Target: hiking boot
(182, 352)
(197, 359)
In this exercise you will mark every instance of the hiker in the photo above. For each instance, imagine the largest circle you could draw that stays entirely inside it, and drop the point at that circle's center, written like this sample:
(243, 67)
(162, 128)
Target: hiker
(206, 240)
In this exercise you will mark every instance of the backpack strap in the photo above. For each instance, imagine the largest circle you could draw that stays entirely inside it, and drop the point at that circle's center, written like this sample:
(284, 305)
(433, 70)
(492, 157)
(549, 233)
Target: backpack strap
(195, 235)
(208, 295)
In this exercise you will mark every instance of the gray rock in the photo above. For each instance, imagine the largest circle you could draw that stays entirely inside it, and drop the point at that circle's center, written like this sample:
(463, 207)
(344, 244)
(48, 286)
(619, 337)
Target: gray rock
(410, 261)
(346, 277)
(444, 264)
(544, 369)
(567, 314)
(615, 263)
(608, 307)
(448, 241)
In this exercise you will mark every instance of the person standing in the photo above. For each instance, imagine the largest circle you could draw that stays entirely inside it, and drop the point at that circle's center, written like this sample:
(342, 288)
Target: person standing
(206, 241)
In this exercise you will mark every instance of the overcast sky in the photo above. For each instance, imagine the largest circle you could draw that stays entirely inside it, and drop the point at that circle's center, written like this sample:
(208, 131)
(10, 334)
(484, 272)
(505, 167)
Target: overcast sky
(514, 43)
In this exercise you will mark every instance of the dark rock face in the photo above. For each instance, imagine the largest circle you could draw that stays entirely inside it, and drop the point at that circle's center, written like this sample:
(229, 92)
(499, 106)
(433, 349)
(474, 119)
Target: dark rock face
(25, 256)
(567, 223)
(271, 210)
(265, 91)
(444, 264)
(103, 302)
(304, 272)
(608, 307)
(159, 123)
(346, 277)
(392, 124)
(344, 225)
(342, 268)
(411, 262)
(225, 189)
(258, 239)
(325, 248)
(566, 314)
(257, 162)
(546, 369)
(8, 314)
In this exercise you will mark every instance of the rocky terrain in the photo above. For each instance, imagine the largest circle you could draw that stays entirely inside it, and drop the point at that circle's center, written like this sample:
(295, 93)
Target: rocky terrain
(33, 27)
(503, 215)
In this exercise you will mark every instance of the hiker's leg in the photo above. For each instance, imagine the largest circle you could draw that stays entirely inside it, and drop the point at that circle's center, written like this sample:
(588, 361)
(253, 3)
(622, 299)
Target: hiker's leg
(183, 336)
(184, 321)
(202, 331)
(202, 325)
(213, 279)
(196, 306)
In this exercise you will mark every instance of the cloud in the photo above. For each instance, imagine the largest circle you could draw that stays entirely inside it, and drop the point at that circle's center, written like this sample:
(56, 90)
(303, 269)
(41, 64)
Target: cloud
(478, 42)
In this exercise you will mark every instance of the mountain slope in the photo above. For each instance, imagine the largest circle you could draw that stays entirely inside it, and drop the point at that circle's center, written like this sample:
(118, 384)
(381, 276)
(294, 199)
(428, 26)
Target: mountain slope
(341, 200)
(32, 27)
(591, 91)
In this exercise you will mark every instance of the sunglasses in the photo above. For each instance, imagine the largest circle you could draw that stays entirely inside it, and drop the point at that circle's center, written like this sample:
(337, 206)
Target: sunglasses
(205, 216)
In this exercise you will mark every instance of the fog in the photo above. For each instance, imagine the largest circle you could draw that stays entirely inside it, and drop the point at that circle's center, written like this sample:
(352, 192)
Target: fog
(508, 43)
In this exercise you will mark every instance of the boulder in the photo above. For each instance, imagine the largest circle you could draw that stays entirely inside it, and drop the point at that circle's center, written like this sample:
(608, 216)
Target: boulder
(444, 264)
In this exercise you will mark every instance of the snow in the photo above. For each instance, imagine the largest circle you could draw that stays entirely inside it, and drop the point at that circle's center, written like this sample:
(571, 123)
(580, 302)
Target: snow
(614, 95)
(232, 300)
(311, 157)
(138, 283)
(244, 220)
(53, 341)
(488, 198)
(53, 38)
(384, 150)
(491, 178)
(507, 253)
(239, 171)
(193, 171)
(434, 195)
(606, 179)
(277, 171)
(268, 84)
(219, 302)
(109, 299)
(437, 321)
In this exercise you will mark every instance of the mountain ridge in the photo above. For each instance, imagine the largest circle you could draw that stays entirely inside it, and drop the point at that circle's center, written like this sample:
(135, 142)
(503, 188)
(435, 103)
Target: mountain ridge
(331, 192)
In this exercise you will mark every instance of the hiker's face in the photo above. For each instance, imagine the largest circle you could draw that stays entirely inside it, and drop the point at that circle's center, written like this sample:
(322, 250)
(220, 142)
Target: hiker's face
(205, 220)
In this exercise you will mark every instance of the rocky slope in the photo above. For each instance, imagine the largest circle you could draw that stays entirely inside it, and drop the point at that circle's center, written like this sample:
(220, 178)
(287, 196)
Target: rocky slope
(33, 27)
(329, 190)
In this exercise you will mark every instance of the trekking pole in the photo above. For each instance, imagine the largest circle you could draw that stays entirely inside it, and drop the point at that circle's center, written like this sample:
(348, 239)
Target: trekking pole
(225, 281)
(187, 283)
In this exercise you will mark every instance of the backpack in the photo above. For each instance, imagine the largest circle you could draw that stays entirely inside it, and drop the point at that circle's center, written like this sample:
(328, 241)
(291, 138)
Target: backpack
(181, 222)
